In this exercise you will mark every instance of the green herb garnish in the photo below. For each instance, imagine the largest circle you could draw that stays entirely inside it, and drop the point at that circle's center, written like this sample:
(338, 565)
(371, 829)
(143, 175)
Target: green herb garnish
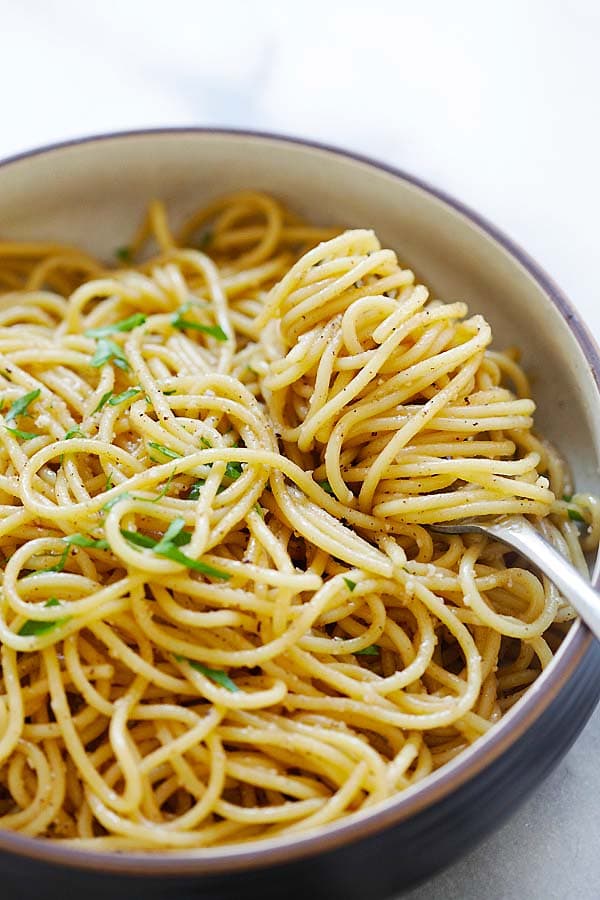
(173, 553)
(24, 435)
(127, 496)
(217, 675)
(107, 351)
(35, 627)
(114, 500)
(233, 470)
(126, 395)
(350, 584)
(326, 486)
(82, 540)
(60, 565)
(74, 432)
(168, 546)
(19, 407)
(128, 324)
(197, 486)
(177, 321)
(103, 401)
(205, 239)
(140, 540)
(179, 539)
(123, 254)
(573, 514)
(77, 540)
(171, 534)
(162, 493)
(373, 650)
(204, 442)
(195, 489)
(170, 454)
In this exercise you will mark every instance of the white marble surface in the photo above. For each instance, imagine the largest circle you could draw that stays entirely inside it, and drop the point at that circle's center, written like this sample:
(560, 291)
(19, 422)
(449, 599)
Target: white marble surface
(496, 102)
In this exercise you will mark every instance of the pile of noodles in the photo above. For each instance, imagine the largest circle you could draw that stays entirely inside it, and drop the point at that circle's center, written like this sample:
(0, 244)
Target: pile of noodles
(222, 617)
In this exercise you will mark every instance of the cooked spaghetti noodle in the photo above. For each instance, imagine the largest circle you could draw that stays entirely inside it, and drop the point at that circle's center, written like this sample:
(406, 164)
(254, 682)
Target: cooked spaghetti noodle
(222, 616)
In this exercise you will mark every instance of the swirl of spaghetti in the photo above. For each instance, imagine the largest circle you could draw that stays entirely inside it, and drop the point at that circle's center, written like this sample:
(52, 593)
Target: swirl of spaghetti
(222, 615)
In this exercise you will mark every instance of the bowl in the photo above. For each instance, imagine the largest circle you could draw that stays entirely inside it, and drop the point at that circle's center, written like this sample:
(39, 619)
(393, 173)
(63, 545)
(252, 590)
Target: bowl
(92, 192)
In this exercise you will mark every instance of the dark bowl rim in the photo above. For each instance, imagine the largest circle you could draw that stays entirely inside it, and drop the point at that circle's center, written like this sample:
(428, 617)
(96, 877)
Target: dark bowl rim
(450, 777)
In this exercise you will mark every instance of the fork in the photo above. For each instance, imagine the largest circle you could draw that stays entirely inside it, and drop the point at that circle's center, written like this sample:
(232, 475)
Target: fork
(517, 532)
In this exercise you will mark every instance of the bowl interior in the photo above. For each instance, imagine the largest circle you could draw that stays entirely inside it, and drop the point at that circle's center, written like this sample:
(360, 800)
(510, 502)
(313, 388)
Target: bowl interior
(93, 194)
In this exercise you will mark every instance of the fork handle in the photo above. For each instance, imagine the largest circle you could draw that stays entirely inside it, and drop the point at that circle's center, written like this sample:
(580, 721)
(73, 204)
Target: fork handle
(523, 537)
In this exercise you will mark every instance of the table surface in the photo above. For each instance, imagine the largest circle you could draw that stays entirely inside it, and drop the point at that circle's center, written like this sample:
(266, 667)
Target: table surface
(496, 103)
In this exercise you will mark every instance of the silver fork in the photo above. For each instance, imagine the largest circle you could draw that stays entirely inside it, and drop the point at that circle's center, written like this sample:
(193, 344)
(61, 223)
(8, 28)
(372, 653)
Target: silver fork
(521, 536)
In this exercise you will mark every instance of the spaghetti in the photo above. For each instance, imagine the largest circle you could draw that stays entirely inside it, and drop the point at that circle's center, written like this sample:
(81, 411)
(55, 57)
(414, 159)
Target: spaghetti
(222, 617)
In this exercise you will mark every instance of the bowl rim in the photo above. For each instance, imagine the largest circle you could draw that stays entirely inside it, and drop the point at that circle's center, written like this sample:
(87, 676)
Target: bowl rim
(449, 778)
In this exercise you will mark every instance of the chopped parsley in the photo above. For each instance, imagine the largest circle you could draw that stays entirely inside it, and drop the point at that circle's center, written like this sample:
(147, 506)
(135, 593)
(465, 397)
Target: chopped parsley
(573, 512)
(60, 565)
(373, 650)
(107, 351)
(197, 486)
(124, 325)
(350, 584)
(233, 470)
(217, 675)
(195, 489)
(126, 395)
(114, 500)
(103, 401)
(19, 407)
(168, 547)
(205, 239)
(36, 628)
(173, 535)
(123, 254)
(74, 432)
(82, 540)
(127, 496)
(178, 321)
(24, 435)
(140, 540)
(170, 454)
(163, 492)
(72, 540)
(171, 552)
(326, 486)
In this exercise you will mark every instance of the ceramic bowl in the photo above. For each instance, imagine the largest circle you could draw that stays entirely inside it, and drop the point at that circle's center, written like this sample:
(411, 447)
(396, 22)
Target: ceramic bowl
(92, 192)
